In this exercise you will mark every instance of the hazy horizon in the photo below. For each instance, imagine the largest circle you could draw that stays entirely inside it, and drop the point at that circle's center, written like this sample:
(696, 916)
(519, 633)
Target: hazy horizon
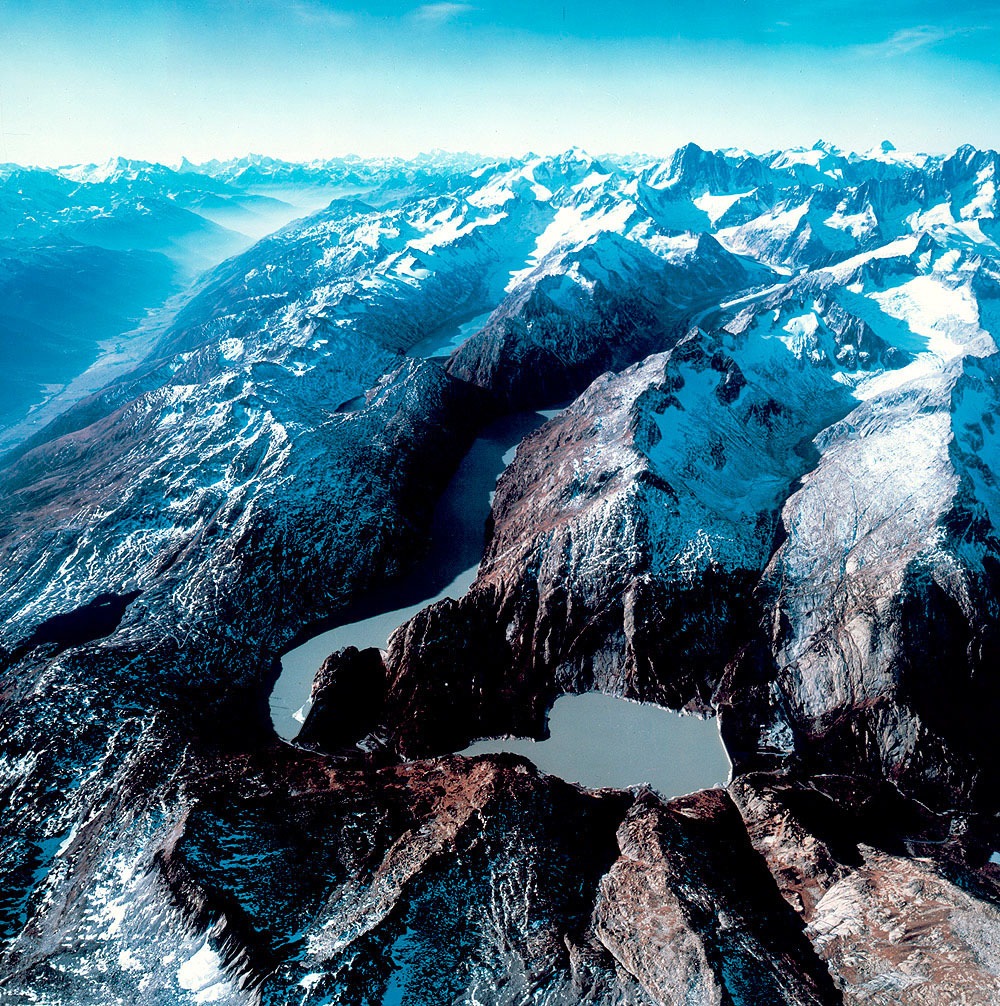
(177, 161)
(83, 82)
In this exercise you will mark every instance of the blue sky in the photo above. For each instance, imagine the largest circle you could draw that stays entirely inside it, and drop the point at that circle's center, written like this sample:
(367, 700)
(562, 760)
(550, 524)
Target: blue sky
(308, 78)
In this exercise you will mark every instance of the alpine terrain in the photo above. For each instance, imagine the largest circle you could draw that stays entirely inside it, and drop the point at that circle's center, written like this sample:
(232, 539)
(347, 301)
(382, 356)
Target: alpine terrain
(755, 401)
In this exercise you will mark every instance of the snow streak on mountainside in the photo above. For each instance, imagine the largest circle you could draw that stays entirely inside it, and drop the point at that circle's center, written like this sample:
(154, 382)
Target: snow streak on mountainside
(773, 497)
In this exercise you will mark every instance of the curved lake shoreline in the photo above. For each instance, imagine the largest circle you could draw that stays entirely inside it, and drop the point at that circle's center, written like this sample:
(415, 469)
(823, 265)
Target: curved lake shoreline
(457, 537)
(595, 740)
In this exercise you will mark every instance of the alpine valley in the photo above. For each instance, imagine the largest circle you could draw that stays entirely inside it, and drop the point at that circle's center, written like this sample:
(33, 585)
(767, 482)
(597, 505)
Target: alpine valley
(761, 484)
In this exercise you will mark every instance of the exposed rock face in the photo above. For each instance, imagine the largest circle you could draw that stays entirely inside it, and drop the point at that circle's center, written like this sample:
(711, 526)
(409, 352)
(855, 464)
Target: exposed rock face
(912, 587)
(683, 906)
(629, 534)
(459, 877)
(591, 542)
(283, 876)
(891, 928)
(786, 515)
(454, 877)
(240, 544)
(589, 307)
(896, 931)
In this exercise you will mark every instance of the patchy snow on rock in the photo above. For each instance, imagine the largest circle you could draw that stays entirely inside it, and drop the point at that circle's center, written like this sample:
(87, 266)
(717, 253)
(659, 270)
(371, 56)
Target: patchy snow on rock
(573, 226)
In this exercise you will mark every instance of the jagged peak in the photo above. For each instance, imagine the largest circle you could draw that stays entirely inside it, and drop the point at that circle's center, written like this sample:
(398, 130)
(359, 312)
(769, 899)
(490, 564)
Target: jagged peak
(689, 149)
(575, 155)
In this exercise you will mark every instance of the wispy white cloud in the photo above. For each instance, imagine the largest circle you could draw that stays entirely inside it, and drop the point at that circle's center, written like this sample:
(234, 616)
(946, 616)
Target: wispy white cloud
(313, 13)
(777, 28)
(921, 36)
(441, 13)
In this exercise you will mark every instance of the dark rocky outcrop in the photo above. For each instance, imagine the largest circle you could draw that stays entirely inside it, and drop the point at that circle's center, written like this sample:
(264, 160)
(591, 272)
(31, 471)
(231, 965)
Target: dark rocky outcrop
(348, 700)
